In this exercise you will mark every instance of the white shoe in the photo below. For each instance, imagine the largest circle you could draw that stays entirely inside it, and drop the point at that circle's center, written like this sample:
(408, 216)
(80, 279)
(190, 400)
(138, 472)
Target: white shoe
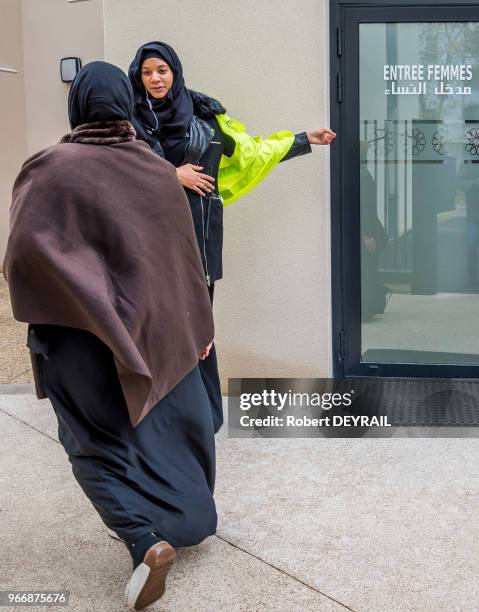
(148, 581)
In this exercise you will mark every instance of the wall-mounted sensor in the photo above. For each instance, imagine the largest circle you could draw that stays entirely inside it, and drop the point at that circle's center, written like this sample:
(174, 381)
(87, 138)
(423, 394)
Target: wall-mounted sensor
(5, 68)
(69, 67)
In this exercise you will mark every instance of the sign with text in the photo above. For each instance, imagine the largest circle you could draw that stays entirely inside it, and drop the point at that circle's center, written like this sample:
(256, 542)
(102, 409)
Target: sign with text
(442, 79)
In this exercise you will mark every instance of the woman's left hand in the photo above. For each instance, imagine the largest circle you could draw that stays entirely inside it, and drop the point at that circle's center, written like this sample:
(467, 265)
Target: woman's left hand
(205, 352)
(323, 136)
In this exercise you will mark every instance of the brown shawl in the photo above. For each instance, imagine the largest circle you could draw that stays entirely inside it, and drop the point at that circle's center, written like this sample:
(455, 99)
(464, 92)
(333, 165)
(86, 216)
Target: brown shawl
(102, 239)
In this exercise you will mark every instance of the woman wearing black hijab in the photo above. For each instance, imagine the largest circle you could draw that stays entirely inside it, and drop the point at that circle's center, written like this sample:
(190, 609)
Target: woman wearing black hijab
(216, 161)
(99, 227)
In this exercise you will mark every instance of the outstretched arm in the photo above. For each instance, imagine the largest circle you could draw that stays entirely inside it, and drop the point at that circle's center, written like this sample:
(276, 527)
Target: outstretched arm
(299, 147)
(303, 141)
(253, 158)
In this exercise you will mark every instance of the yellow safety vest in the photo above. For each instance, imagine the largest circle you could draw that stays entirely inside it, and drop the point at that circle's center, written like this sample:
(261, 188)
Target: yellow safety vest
(252, 160)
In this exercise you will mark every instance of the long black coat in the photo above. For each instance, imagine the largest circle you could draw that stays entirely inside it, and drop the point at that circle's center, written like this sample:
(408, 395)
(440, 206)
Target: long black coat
(207, 143)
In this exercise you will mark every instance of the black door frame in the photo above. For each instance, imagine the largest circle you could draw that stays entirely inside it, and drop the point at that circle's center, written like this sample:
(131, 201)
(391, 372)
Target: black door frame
(345, 280)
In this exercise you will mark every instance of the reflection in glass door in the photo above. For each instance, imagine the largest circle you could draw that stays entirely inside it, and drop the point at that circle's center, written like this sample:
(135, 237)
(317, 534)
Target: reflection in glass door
(419, 192)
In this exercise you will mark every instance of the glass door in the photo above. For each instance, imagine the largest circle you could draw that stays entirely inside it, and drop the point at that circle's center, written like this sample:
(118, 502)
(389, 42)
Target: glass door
(410, 194)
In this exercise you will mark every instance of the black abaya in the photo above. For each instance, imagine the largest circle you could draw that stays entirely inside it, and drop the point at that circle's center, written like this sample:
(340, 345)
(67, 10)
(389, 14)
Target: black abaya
(157, 477)
(211, 379)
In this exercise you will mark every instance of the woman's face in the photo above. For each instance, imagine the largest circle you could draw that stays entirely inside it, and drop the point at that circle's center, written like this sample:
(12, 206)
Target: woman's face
(157, 77)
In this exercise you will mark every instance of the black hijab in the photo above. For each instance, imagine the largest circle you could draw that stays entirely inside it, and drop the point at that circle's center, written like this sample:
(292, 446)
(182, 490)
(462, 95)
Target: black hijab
(171, 116)
(100, 92)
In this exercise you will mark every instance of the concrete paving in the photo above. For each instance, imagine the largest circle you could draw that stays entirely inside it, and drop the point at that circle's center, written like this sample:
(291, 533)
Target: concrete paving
(14, 357)
(369, 525)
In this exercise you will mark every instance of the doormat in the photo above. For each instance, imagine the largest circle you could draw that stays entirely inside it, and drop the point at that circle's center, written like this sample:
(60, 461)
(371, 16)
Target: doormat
(295, 406)
(419, 402)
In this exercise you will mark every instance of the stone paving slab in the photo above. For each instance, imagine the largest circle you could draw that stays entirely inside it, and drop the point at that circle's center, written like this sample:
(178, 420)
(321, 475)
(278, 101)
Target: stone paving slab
(375, 524)
(14, 356)
(381, 525)
(52, 539)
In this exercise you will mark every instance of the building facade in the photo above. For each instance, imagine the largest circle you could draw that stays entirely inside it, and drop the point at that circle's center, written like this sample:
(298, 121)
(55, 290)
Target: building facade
(359, 259)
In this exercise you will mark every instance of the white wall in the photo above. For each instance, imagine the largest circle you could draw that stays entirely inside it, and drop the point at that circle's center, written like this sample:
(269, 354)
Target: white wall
(268, 64)
(13, 149)
(53, 29)
(34, 35)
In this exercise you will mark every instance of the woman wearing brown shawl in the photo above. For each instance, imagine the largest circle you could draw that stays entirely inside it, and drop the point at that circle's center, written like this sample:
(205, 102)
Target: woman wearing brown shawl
(102, 262)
